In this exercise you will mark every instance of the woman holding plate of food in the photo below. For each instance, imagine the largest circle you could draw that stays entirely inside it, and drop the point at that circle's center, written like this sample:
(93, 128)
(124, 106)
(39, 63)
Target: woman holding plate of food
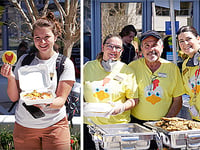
(49, 130)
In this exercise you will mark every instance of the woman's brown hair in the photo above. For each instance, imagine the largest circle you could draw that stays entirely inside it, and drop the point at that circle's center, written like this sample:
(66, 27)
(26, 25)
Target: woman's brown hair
(187, 29)
(48, 21)
(127, 29)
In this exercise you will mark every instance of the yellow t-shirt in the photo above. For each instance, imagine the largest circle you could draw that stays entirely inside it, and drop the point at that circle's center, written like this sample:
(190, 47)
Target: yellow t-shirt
(191, 81)
(156, 90)
(100, 88)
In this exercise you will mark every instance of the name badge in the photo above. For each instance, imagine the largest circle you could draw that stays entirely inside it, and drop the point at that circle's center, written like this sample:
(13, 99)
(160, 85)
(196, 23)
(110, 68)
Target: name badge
(118, 78)
(162, 75)
(194, 111)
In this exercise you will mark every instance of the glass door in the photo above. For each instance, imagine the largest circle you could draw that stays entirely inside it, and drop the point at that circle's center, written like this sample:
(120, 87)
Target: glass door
(114, 16)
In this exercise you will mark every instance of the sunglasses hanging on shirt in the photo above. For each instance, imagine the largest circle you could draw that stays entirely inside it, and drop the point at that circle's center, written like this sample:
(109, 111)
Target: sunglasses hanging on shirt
(194, 61)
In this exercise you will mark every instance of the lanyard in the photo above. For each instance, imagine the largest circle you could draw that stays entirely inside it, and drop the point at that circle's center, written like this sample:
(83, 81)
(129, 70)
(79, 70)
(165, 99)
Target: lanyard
(153, 86)
(195, 86)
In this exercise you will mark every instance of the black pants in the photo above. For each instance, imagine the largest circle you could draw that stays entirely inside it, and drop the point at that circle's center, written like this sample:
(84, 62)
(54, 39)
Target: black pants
(135, 120)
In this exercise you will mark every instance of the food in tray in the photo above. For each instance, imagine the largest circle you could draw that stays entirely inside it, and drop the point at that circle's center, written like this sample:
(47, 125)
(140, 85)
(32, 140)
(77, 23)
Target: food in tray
(177, 124)
(38, 95)
(9, 57)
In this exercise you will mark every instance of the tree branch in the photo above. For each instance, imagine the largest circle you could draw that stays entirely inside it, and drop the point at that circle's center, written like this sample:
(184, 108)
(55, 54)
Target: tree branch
(61, 11)
(69, 17)
(60, 7)
(66, 7)
(16, 4)
(30, 11)
(44, 12)
(73, 11)
(35, 11)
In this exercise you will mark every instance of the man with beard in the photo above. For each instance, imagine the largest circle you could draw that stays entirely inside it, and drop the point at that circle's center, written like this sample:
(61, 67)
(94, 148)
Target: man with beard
(160, 87)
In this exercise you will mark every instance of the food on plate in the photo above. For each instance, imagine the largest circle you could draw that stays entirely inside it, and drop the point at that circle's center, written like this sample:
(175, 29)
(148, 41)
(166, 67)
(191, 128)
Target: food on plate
(177, 124)
(9, 57)
(37, 95)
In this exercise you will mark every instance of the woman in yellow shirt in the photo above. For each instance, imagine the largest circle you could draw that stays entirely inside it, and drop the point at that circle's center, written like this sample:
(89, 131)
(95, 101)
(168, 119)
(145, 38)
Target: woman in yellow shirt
(189, 42)
(108, 80)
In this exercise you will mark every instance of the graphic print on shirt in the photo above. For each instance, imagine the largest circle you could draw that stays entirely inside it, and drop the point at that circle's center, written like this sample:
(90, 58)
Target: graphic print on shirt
(194, 82)
(102, 89)
(153, 92)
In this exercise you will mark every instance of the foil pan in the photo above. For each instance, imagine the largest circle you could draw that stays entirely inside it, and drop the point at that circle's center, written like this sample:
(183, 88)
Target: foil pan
(121, 136)
(177, 139)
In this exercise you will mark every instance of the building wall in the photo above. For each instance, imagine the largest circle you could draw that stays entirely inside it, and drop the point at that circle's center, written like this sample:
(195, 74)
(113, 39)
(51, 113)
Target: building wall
(146, 17)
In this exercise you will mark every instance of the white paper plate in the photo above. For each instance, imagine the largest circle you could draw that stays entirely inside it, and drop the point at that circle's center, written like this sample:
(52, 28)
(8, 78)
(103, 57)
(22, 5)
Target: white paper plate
(97, 109)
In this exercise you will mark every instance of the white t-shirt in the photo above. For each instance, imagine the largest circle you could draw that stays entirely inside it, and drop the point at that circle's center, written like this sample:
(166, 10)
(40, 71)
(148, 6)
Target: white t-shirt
(52, 116)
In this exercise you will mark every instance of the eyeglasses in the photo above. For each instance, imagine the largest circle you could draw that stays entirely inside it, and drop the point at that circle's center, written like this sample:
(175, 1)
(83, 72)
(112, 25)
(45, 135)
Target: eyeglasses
(112, 47)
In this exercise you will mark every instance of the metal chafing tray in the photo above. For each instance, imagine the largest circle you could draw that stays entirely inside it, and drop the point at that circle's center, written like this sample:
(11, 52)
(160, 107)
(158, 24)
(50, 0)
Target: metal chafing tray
(177, 139)
(121, 136)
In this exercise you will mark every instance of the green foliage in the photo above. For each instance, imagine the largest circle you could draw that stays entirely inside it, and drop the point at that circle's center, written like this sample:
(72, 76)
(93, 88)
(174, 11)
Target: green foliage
(75, 138)
(6, 139)
(1, 11)
(75, 142)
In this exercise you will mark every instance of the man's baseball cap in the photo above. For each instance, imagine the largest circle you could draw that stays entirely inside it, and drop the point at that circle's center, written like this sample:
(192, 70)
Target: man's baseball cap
(150, 33)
